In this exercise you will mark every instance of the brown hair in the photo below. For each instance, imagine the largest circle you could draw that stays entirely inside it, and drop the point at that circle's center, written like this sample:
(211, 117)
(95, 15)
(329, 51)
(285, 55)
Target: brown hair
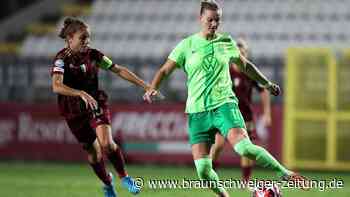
(70, 26)
(209, 5)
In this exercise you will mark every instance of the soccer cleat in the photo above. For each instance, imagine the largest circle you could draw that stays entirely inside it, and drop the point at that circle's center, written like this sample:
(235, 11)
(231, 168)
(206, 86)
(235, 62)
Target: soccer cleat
(109, 190)
(129, 183)
(300, 181)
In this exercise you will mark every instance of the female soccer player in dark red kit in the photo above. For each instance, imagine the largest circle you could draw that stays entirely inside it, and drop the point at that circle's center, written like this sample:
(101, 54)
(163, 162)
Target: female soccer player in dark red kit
(84, 107)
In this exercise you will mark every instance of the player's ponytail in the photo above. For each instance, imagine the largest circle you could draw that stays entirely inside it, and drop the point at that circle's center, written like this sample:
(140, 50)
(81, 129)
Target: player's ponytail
(70, 26)
(209, 5)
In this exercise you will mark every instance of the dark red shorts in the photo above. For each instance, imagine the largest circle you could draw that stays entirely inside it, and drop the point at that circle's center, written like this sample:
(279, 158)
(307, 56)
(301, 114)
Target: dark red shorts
(253, 135)
(83, 127)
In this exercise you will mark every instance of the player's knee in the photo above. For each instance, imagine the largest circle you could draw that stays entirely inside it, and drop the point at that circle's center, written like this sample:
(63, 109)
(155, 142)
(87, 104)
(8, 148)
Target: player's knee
(203, 166)
(246, 148)
(242, 147)
(94, 155)
(108, 147)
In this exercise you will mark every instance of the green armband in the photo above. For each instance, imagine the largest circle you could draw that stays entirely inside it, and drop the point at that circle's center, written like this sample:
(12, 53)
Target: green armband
(105, 63)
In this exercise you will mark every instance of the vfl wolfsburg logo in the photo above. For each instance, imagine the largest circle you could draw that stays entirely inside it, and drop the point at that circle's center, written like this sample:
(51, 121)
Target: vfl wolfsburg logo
(209, 62)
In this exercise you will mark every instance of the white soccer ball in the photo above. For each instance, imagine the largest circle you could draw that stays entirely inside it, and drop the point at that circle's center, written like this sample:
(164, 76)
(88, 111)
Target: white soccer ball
(272, 191)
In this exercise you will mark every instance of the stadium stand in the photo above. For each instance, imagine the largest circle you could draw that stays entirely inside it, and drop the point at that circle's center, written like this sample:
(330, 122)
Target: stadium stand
(270, 26)
(140, 33)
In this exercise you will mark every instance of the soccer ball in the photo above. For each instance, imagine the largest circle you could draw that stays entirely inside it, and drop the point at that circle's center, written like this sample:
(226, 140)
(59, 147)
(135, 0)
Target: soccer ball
(272, 191)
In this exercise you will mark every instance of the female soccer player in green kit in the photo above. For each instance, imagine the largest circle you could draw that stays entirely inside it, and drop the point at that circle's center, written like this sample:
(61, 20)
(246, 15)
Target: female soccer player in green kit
(211, 105)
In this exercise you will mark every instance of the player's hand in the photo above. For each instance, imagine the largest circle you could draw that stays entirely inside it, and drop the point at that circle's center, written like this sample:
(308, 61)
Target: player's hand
(89, 100)
(274, 89)
(152, 95)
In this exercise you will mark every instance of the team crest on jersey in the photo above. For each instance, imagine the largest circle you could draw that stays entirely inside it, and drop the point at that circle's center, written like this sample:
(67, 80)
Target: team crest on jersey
(83, 68)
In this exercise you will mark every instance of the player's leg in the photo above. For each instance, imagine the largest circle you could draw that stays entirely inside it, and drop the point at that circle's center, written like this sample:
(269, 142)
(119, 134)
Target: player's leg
(114, 154)
(241, 143)
(86, 135)
(246, 167)
(97, 163)
(201, 137)
(230, 121)
(203, 163)
(246, 163)
(217, 148)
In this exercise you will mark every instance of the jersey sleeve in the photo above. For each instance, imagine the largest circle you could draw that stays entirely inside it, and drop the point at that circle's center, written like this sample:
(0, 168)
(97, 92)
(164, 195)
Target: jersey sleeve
(178, 54)
(58, 65)
(233, 49)
(102, 61)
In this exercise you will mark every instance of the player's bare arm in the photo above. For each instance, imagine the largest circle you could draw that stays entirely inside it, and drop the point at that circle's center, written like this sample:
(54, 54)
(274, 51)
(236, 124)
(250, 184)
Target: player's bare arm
(59, 88)
(254, 73)
(126, 74)
(266, 104)
(161, 74)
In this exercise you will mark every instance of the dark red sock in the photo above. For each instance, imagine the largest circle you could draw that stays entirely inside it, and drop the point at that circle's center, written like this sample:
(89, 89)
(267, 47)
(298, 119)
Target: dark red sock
(246, 173)
(117, 160)
(100, 170)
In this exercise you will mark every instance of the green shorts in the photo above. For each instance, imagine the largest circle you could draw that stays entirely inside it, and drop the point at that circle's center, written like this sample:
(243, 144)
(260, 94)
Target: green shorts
(204, 125)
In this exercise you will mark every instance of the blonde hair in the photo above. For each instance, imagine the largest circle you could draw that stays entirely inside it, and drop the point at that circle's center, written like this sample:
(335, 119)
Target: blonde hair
(209, 5)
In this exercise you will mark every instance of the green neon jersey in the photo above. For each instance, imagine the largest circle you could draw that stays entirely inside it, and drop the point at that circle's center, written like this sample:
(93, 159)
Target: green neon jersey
(206, 64)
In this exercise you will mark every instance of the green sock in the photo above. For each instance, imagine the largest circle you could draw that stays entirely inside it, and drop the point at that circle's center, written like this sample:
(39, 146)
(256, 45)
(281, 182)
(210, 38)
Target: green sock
(206, 172)
(262, 157)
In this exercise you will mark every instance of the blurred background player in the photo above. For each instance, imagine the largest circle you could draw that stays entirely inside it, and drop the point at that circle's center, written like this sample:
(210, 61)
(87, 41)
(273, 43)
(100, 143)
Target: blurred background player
(243, 87)
(84, 106)
(211, 104)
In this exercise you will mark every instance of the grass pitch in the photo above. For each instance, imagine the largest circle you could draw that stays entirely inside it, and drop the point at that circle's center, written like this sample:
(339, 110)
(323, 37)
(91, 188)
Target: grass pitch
(43, 179)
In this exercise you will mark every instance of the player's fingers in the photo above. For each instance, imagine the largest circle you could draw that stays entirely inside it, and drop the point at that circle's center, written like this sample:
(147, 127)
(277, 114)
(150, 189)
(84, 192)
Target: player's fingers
(147, 97)
(85, 101)
(95, 104)
(154, 92)
(91, 105)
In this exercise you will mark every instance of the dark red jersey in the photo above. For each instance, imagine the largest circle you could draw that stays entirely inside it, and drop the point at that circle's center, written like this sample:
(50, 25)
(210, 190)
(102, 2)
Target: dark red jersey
(243, 88)
(79, 72)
